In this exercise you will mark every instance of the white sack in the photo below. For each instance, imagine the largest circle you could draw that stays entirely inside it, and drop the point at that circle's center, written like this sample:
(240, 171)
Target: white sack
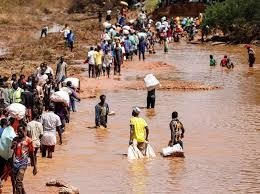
(134, 153)
(16, 110)
(125, 32)
(142, 34)
(171, 150)
(61, 96)
(150, 152)
(75, 82)
(151, 82)
(126, 27)
(107, 25)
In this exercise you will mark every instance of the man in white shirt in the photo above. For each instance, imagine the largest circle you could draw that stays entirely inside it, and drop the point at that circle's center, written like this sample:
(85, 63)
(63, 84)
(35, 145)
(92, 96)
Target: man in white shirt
(44, 69)
(91, 62)
(61, 71)
(51, 123)
(66, 31)
(35, 131)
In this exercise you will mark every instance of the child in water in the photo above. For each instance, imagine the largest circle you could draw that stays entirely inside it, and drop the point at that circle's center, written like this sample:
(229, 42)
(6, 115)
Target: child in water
(230, 64)
(212, 61)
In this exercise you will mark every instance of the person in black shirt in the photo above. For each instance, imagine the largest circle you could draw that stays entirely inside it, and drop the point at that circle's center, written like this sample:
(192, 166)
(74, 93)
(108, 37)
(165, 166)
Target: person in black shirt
(151, 99)
(27, 100)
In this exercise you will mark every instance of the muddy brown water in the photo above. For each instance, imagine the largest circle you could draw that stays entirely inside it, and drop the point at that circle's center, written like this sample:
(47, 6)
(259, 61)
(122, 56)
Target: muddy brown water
(222, 144)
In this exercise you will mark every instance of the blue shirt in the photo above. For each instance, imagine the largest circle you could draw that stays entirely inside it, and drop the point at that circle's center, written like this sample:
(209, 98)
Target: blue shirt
(71, 37)
(6, 142)
(122, 21)
(142, 45)
(1, 131)
(128, 46)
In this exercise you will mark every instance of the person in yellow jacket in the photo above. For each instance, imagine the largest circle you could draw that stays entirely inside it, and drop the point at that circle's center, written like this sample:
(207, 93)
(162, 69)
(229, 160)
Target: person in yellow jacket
(139, 130)
(15, 93)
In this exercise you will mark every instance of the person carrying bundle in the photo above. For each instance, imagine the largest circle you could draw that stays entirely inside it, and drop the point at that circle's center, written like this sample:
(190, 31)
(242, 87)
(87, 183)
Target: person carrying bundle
(177, 130)
(139, 131)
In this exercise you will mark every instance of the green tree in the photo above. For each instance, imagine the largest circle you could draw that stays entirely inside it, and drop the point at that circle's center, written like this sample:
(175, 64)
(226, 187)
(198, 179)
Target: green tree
(238, 19)
(151, 5)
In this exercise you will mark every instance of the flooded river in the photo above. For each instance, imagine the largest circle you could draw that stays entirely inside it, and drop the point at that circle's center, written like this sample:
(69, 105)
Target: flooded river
(222, 144)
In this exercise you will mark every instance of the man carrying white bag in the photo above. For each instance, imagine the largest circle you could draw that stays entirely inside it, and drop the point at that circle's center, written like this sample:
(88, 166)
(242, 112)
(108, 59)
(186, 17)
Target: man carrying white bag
(74, 81)
(151, 83)
(175, 146)
(138, 143)
(61, 96)
(16, 110)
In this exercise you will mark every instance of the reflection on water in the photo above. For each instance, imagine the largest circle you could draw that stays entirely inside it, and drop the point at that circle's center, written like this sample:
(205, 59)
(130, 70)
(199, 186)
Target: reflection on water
(221, 141)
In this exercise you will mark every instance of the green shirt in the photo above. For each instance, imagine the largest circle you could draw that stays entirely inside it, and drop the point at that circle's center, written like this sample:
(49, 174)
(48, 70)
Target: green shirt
(212, 62)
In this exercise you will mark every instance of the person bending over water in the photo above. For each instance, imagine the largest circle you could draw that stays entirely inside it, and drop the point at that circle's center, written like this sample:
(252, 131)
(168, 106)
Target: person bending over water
(177, 130)
(139, 130)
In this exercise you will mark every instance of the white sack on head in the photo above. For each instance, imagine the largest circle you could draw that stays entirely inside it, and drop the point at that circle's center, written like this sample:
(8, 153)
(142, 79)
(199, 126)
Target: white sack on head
(16, 110)
(151, 82)
(75, 82)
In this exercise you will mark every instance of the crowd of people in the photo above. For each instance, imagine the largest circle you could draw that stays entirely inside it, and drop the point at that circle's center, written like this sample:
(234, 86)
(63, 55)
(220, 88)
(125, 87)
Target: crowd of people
(124, 39)
(21, 139)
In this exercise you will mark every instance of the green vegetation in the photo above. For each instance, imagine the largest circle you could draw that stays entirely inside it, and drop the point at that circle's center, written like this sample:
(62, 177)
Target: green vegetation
(151, 5)
(238, 19)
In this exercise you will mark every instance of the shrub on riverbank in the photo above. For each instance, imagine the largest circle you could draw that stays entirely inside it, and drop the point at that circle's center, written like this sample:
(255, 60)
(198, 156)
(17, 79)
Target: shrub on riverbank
(151, 5)
(237, 19)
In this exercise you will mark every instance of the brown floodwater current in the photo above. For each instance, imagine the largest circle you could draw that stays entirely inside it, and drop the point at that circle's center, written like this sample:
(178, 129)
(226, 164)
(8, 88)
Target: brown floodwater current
(221, 144)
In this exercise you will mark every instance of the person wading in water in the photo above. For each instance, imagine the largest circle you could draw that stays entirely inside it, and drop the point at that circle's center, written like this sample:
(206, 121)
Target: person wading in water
(177, 130)
(101, 112)
(139, 131)
(251, 56)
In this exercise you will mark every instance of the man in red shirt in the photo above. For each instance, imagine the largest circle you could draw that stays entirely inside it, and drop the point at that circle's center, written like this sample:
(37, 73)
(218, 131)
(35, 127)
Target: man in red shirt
(23, 149)
(224, 61)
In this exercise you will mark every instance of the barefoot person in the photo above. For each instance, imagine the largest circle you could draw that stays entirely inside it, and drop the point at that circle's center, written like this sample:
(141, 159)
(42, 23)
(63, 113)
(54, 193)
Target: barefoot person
(51, 123)
(101, 112)
(23, 149)
(139, 131)
(177, 130)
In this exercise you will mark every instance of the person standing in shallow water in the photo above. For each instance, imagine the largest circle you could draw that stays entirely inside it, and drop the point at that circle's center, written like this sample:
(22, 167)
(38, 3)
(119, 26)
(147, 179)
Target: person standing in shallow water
(101, 112)
(212, 61)
(177, 130)
(251, 56)
(151, 99)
